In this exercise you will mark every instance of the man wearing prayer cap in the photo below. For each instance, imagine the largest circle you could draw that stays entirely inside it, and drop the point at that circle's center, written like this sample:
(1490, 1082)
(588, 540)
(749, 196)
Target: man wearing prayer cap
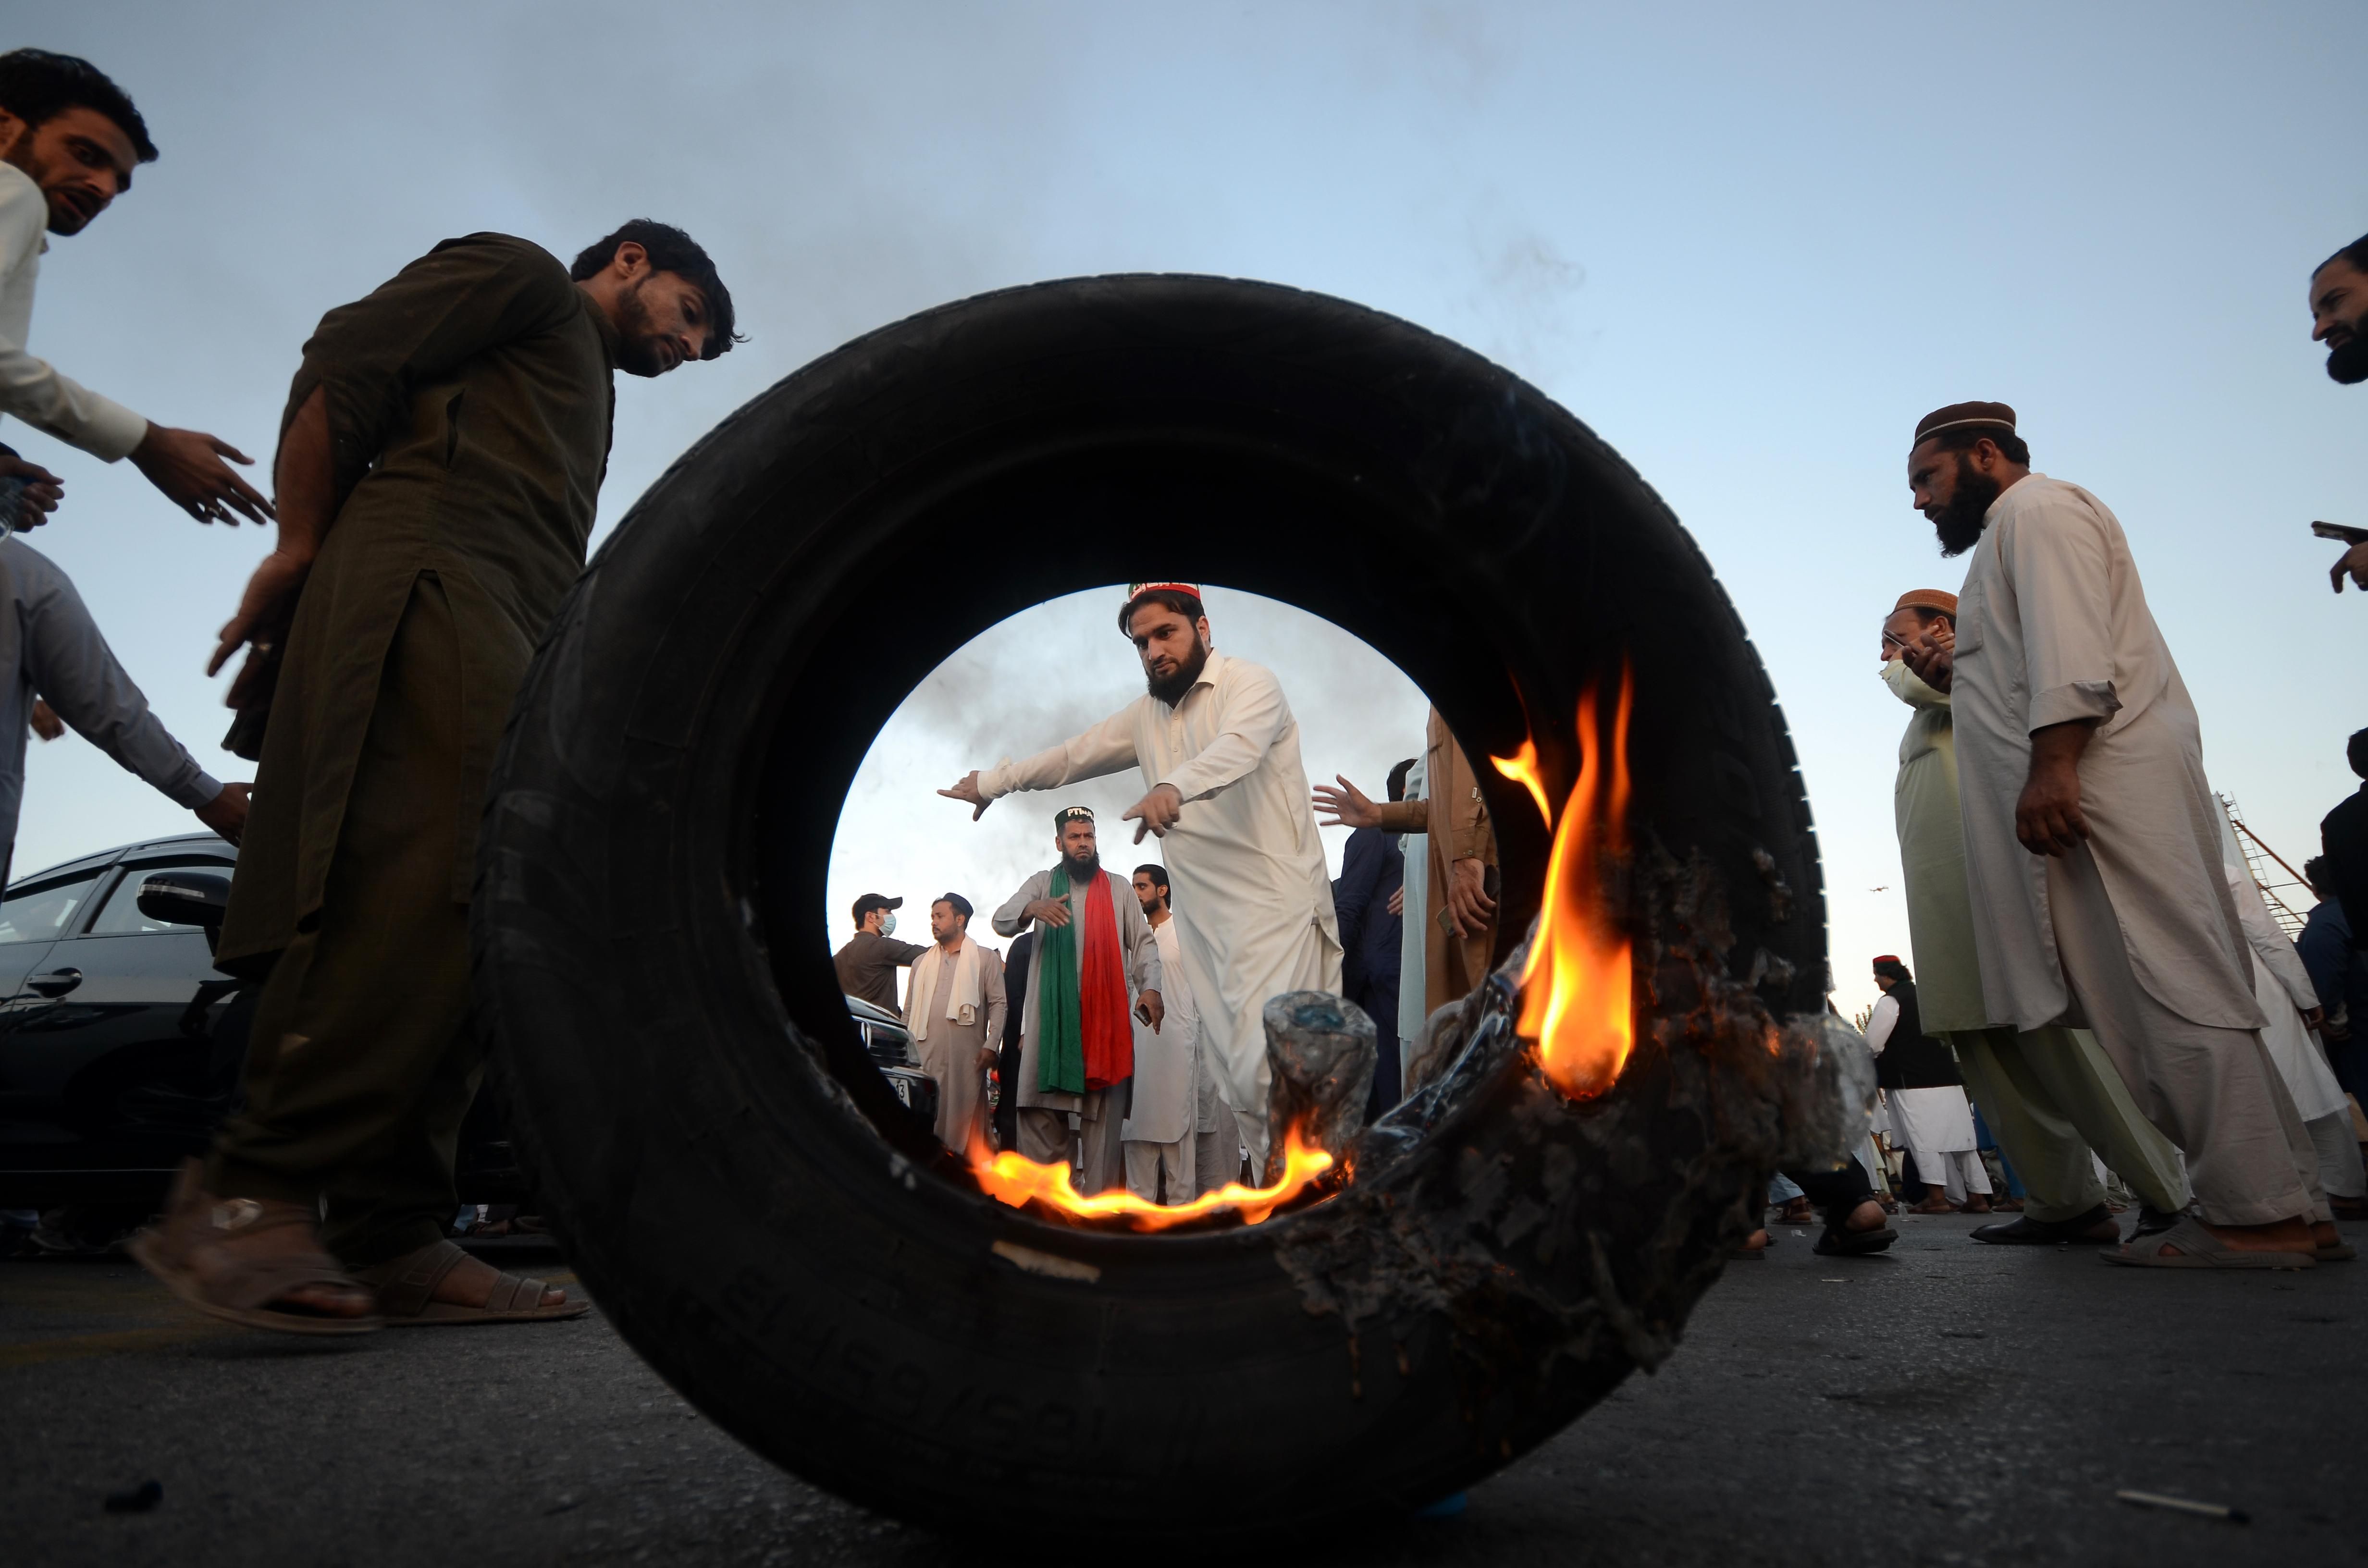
(2092, 853)
(1094, 954)
(1218, 752)
(2050, 1094)
(954, 1008)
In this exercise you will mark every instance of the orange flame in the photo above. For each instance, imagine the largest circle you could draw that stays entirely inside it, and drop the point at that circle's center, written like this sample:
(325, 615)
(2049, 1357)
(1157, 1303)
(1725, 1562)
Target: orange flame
(1523, 769)
(1017, 1179)
(1576, 990)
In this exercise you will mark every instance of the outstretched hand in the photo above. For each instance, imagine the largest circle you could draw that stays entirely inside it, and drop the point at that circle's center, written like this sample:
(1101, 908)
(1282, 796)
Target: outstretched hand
(187, 466)
(1156, 812)
(1348, 806)
(966, 789)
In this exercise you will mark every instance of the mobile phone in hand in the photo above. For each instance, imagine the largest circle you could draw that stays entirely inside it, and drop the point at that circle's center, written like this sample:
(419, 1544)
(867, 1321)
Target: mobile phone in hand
(2339, 530)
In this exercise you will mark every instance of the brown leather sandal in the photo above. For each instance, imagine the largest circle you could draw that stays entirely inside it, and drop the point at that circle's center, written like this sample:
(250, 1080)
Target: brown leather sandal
(406, 1291)
(188, 1251)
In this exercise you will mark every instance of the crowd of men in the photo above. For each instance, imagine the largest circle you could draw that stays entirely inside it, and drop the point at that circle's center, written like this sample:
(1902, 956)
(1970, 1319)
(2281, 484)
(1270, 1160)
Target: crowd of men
(440, 461)
(2091, 956)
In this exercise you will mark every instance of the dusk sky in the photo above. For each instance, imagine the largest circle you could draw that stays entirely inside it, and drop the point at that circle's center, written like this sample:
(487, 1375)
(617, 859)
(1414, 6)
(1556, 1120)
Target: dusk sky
(1748, 245)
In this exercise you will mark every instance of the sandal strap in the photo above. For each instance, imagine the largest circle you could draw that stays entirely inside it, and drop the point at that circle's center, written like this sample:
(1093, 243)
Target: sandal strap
(512, 1294)
(407, 1284)
(251, 1283)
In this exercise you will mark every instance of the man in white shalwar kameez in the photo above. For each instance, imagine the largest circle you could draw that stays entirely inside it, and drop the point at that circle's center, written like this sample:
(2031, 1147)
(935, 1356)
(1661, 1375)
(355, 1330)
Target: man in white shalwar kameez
(2091, 851)
(955, 1008)
(1161, 1125)
(2282, 986)
(2051, 1095)
(1219, 752)
(1925, 1097)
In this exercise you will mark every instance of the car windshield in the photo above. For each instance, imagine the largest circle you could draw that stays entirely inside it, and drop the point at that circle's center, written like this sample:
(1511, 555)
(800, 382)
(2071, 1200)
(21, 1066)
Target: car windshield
(44, 914)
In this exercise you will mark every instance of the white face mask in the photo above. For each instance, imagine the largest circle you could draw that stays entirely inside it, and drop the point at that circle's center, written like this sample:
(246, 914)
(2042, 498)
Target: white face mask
(1909, 688)
(888, 923)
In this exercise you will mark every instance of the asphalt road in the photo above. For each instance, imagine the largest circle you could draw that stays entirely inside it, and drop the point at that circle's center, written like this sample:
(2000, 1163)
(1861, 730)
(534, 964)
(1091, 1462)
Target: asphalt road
(1949, 1403)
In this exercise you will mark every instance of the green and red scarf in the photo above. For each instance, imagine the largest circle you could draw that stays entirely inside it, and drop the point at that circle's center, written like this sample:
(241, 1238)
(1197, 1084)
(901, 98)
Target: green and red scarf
(1082, 1038)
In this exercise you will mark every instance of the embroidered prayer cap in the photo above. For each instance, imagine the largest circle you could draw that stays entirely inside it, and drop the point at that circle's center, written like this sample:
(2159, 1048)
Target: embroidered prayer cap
(1068, 814)
(960, 904)
(1135, 593)
(1959, 414)
(873, 901)
(1926, 598)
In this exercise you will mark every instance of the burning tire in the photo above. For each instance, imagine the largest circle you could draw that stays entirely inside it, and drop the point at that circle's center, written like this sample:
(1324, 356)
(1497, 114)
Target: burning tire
(739, 1190)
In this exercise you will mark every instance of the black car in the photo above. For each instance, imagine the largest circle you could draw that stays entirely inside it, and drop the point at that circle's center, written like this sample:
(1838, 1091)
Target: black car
(120, 1043)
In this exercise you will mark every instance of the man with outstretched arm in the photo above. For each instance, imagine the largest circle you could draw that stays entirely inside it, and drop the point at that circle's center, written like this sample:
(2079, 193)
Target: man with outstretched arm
(439, 462)
(2092, 850)
(1094, 954)
(1219, 752)
(69, 141)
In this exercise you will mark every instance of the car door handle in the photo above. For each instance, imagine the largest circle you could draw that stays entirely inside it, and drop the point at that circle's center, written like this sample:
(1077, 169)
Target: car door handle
(57, 983)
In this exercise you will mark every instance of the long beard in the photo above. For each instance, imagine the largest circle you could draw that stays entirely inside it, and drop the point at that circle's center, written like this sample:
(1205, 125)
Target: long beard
(637, 353)
(1083, 865)
(2347, 362)
(1960, 522)
(1171, 690)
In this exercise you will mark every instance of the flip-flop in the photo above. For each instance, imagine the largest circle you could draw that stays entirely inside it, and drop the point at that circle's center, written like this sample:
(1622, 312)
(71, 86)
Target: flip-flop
(2198, 1248)
(406, 1290)
(186, 1252)
(2337, 1252)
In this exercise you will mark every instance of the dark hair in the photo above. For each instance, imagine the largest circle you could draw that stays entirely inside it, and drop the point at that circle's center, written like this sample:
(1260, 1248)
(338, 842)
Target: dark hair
(37, 86)
(1159, 875)
(2355, 752)
(1183, 604)
(670, 250)
(2355, 255)
(1890, 968)
(2315, 874)
(1961, 439)
(1397, 778)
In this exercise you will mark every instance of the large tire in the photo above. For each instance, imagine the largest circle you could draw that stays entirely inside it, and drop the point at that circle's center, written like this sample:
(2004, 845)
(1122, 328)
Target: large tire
(735, 1183)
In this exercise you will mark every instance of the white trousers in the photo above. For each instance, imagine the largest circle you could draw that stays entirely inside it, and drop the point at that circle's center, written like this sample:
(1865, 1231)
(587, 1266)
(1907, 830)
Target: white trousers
(1146, 1161)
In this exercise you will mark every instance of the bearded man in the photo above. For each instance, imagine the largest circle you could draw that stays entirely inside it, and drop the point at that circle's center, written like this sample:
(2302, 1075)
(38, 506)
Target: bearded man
(1093, 952)
(69, 141)
(439, 462)
(2092, 856)
(955, 1010)
(2338, 318)
(1219, 752)
(2050, 1094)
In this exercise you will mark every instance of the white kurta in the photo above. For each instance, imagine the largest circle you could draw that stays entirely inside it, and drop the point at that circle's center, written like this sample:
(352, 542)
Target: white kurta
(2053, 626)
(1253, 898)
(1167, 1062)
(29, 388)
(2283, 988)
(1930, 1122)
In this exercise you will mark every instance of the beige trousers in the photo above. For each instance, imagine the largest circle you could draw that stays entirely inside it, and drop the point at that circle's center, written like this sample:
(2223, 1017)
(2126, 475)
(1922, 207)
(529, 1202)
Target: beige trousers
(1044, 1137)
(1147, 1161)
(2212, 1091)
(2053, 1096)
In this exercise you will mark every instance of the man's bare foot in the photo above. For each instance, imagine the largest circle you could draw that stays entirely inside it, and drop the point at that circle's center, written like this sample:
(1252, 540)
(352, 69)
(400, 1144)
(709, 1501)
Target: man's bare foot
(1799, 1211)
(1867, 1216)
(1977, 1203)
(1754, 1244)
(1934, 1203)
(2323, 1234)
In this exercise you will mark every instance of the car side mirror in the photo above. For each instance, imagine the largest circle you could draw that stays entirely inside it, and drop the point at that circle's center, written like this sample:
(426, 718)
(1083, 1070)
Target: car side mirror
(186, 898)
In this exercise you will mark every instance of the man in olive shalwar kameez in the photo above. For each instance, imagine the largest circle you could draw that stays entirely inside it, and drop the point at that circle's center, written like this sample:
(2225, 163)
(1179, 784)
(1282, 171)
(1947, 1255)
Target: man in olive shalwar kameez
(2049, 1094)
(440, 461)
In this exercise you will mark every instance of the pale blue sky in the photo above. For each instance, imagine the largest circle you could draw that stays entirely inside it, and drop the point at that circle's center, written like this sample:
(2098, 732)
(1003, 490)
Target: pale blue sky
(1750, 244)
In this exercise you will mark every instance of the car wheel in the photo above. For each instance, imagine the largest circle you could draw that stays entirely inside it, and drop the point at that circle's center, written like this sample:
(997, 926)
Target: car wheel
(740, 1189)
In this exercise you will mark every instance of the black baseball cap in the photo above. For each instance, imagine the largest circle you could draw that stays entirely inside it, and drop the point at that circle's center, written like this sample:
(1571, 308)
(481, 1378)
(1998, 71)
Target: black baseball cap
(873, 901)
